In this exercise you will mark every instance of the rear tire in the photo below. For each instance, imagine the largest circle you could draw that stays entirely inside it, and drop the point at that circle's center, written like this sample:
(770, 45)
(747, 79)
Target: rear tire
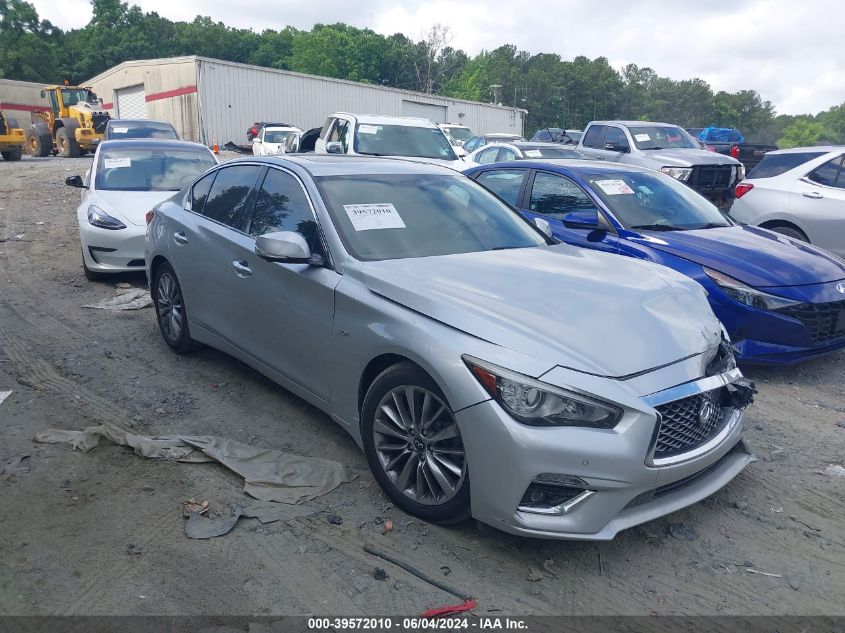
(13, 154)
(37, 144)
(414, 450)
(789, 231)
(171, 314)
(66, 143)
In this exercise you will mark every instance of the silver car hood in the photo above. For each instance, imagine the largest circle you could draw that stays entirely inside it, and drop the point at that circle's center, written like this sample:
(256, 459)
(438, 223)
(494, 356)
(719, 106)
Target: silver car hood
(589, 311)
(679, 157)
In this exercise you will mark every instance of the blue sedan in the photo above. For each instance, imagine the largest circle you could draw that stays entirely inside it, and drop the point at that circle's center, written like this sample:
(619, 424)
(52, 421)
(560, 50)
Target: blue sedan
(781, 300)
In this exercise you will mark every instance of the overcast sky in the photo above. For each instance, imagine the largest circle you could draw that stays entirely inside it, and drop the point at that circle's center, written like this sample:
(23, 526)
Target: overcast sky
(790, 51)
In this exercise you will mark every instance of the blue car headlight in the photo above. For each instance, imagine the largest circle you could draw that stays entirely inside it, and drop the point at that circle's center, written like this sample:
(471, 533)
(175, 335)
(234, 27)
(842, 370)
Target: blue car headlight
(536, 403)
(744, 293)
(98, 217)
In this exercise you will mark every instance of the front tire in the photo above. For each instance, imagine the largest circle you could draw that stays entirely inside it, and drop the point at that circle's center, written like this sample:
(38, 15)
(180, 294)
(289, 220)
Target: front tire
(414, 447)
(90, 275)
(170, 310)
(789, 231)
(66, 143)
(37, 144)
(13, 154)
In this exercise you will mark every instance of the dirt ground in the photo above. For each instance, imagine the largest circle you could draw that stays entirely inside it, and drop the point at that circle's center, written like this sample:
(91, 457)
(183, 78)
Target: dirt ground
(103, 532)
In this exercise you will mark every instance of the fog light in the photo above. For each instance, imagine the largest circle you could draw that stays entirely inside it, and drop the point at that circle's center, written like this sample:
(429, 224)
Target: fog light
(560, 480)
(551, 493)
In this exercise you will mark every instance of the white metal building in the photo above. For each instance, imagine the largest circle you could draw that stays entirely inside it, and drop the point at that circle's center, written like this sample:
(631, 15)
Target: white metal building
(19, 100)
(210, 100)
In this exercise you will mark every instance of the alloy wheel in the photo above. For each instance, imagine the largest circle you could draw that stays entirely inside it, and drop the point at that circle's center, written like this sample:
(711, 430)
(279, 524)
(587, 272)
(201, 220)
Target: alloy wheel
(169, 306)
(418, 445)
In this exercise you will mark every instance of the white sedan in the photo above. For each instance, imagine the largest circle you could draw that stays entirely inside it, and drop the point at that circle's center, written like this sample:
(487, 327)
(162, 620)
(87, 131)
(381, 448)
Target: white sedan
(797, 192)
(270, 140)
(127, 179)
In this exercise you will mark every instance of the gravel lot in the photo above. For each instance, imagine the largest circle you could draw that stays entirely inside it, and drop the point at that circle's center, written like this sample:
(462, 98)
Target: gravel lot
(103, 532)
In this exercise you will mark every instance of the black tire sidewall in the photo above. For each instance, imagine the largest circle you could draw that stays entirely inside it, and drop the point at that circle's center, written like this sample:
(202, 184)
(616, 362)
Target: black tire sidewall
(788, 231)
(184, 343)
(406, 373)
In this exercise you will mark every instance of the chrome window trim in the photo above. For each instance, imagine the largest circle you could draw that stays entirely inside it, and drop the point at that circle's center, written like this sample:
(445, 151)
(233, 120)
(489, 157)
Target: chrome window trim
(687, 389)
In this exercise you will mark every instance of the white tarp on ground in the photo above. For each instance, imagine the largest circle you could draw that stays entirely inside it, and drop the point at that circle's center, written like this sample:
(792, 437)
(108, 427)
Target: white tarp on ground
(269, 474)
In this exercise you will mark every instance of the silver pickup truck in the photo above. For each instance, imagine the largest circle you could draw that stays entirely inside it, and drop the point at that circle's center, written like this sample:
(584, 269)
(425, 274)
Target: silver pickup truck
(667, 148)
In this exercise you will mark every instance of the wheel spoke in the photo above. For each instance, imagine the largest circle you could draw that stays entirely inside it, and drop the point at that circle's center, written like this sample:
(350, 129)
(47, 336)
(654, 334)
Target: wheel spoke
(395, 461)
(402, 411)
(393, 417)
(430, 419)
(441, 478)
(446, 433)
(381, 427)
(412, 408)
(431, 482)
(448, 465)
(408, 470)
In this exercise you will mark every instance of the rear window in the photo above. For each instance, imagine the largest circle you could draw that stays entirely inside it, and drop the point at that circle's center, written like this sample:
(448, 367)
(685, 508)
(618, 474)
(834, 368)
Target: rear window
(776, 164)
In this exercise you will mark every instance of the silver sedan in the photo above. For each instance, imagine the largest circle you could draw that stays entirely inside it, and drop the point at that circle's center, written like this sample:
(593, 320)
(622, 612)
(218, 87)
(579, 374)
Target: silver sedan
(484, 369)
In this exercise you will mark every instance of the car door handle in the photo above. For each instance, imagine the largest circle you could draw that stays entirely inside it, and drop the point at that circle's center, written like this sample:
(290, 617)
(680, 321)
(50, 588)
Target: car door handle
(242, 269)
(180, 238)
(815, 195)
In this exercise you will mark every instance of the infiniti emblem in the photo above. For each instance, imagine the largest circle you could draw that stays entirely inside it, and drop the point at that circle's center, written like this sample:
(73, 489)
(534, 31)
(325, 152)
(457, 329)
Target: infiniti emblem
(706, 412)
(841, 287)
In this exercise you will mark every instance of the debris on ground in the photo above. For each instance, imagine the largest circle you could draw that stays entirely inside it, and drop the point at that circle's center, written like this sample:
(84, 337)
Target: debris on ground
(192, 506)
(549, 566)
(203, 527)
(446, 570)
(334, 519)
(269, 474)
(533, 575)
(124, 299)
(4, 395)
(794, 581)
(134, 550)
(18, 465)
(388, 526)
(380, 574)
(762, 573)
(834, 470)
(682, 532)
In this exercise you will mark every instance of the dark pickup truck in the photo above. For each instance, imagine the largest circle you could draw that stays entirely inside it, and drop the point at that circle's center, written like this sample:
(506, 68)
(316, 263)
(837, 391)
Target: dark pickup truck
(731, 143)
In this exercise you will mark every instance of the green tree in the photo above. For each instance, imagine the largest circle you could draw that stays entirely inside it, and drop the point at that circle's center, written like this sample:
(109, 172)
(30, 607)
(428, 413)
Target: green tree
(27, 44)
(801, 132)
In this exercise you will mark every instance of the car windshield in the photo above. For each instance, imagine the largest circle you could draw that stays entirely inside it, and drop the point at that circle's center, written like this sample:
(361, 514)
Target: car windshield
(459, 133)
(661, 137)
(551, 152)
(276, 136)
(72, 96)
(149, 129)
(402, 140)
(644, 201)
(397, 216)
(143, 169)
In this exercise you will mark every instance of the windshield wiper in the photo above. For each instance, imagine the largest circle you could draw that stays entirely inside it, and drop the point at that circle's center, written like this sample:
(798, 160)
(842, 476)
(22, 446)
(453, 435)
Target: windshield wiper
(653, 147)
(657, 227)
(709, 225)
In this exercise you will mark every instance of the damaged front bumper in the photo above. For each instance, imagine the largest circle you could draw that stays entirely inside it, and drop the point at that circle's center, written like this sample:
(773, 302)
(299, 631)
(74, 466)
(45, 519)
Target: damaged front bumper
(601, 481)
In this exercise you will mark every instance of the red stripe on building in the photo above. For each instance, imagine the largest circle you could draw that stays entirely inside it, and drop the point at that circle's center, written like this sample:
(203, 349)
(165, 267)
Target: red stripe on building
(24, 108)
(186, 90)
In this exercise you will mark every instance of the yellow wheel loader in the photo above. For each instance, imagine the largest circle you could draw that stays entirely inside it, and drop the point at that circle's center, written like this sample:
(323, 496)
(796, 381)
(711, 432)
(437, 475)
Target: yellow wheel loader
(11, 139)
(74, 125)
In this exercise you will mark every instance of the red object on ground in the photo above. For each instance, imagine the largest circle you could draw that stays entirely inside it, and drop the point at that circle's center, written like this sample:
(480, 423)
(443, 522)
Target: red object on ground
(468, 605)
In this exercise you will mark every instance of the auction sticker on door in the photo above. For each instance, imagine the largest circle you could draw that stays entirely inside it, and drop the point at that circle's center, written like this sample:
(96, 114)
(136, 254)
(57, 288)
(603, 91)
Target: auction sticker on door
(366, 217)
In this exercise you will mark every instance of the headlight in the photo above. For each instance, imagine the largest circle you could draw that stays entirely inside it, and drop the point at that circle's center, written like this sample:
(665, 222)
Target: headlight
(98, 217)
(748, 295)
(536, 403)
(678, 173)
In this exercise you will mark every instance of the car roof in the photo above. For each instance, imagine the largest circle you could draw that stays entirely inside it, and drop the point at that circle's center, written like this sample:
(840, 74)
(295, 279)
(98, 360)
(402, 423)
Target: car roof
(634, 123)
(589, 167)
(501, 135)
(812, 148)
(150, 143)
(389, 120)
(352, 165)
(283, 128)
(535, 145)
(139, 122)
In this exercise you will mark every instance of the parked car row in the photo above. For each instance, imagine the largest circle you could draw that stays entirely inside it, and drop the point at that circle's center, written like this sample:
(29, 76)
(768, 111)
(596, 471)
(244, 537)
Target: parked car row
(479, 334)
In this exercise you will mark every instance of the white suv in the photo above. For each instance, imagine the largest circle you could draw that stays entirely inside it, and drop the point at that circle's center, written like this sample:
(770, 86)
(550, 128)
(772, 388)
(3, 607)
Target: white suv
(377, 135)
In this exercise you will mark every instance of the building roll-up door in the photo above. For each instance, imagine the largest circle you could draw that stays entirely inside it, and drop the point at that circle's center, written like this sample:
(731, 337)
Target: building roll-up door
(131, 103)
(434, 113)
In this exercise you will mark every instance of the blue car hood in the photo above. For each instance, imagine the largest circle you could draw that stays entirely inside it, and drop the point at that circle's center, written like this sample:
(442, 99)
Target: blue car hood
(757, 257)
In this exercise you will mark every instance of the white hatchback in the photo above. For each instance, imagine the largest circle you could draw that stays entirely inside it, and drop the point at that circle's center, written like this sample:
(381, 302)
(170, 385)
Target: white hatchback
(797, 192)
(127, 179)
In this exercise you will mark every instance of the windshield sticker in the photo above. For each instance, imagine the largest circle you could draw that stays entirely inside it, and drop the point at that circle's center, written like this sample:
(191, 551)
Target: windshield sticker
(366, 217)
(533, 153)
(120, 130)
(112, 163)
(614, 187)
(642, 138)
(368, 129)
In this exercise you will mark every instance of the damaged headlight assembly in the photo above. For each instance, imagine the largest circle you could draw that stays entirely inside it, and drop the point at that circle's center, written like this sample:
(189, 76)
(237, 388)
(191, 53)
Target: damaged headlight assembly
(744, 293)
(535, 403)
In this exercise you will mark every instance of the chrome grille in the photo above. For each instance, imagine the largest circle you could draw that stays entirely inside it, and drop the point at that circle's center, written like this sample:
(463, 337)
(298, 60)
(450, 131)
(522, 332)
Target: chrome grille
(825, 321)
(682, 427)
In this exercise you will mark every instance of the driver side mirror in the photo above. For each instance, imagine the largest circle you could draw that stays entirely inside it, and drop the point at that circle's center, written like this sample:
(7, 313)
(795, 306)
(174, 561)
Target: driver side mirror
(75, 181)
(587, 220)
(334, 147)
(283, 246)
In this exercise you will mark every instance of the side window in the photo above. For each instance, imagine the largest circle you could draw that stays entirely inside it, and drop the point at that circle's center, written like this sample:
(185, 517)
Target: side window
(505, 183)
(229, 194)
(544, 135)
(326, 127)
(593, 137)
(487, 156)
(826, 174)
(283, 206)
(616, 137)
(342, 130)
(557, 196)
(199, 192)
(506, 153)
